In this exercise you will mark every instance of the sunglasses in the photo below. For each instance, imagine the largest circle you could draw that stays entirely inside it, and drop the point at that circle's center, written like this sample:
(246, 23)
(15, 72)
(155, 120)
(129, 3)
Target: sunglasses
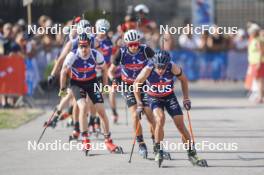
(83, 46)
(133, 44)
(161, 66)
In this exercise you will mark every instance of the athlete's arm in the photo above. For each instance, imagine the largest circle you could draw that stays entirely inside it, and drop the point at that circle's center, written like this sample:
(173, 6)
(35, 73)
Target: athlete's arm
(59, 62)
(115, 60)
(177, 71)
(100, 62)
(141, 78)
(69, 60)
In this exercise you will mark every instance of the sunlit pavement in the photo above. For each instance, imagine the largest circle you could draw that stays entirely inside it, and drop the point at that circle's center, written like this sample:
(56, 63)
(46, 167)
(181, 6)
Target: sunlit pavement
(221, 113)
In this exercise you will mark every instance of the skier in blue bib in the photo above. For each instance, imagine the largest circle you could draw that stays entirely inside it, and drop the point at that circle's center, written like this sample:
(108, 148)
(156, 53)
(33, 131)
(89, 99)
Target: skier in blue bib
(159, 75)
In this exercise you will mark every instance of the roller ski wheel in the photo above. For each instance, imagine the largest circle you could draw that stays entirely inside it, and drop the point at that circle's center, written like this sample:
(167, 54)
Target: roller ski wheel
(159, 157)
(86, 146)
(74, 136)
(143, 150)
(195, 160)
(112, 147)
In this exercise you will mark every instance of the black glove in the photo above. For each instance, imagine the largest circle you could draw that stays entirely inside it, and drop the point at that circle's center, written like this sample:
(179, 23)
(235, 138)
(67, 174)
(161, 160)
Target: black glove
(187, 104)
(139, 110)
(51, 79)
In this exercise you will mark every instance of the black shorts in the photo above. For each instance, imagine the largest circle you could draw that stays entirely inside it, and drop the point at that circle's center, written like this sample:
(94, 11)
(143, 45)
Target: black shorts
(131, 99)
(82, 89)
(169, 102)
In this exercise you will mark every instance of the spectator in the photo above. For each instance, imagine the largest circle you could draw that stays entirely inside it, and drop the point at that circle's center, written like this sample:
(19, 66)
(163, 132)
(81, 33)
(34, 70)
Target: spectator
(1, 37)
(217, 47)
(256, 62)
(187, 41)
(237, 56)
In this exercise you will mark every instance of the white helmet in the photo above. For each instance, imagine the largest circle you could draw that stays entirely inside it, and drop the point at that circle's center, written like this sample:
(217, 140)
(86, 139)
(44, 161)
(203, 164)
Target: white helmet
(102, 24)
(132, 36)
(141, 7)
(83, 25)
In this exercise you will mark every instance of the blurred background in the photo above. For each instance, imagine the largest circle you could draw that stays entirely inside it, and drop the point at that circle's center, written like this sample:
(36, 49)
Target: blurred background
(208, 57)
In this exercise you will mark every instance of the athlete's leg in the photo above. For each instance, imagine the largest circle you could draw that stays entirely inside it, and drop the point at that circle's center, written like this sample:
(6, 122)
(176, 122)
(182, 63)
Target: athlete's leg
(64, 101)
(102, 114)
(112, 101)
(160, 121)
(179, 123)
(135, 120)
(150, 119)
(82, 105)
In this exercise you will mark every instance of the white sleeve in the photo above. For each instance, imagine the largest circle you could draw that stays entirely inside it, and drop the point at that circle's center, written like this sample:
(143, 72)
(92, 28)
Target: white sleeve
(69, 60)
(99, 59)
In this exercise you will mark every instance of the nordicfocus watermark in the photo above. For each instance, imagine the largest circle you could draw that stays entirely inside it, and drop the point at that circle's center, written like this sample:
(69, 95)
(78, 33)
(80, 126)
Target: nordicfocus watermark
(199, 146)
(124, 87)
(58, 145)
(66, 30)
(197, 30)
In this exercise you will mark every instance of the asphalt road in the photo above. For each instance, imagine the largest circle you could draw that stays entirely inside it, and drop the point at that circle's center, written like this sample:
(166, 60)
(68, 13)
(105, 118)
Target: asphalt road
(221, 114)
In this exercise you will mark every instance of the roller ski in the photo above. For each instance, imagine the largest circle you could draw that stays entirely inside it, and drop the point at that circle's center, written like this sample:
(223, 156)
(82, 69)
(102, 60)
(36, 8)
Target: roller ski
(86, 146)
(195, 160)
(75, 135)
(159, 157)
(143, 150)
(112, 147)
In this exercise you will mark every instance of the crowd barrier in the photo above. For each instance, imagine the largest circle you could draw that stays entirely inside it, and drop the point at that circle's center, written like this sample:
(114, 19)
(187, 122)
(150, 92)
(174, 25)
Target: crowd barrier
(201, 65)
(20, 76)
(12, 75)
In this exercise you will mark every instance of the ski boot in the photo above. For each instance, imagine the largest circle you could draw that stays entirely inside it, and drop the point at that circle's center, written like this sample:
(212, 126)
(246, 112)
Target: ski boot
(143, 150)
(166, 155)
(86, 145)
(195, 160)
(75, 135)
(112, 147)
(97, 128)
(159, 157)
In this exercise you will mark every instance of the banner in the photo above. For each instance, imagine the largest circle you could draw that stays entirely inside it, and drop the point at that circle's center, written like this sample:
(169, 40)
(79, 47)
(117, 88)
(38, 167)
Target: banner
(12, 75)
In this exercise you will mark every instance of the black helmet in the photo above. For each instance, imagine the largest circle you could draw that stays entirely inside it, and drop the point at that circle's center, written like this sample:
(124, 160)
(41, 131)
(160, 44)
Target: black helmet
(161, 58)
(84, 39)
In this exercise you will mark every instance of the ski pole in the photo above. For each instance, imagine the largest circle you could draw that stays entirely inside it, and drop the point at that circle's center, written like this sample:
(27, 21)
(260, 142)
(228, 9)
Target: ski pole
(134, 141)
(190, 127)
(126, 115)
(126, 108)
(46, 126)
